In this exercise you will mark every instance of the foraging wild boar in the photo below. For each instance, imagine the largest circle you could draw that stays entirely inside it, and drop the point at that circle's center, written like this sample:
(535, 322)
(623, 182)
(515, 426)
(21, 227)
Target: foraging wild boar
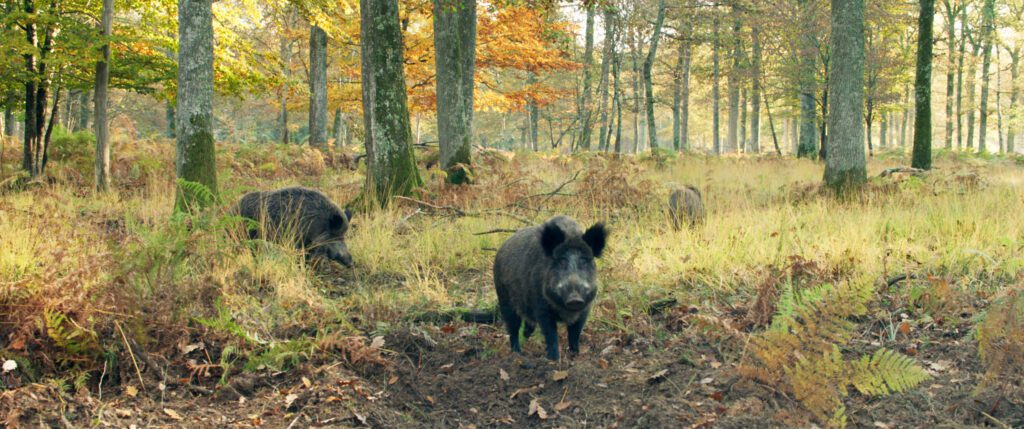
(546, 274)
(685, 205)
(305, 215)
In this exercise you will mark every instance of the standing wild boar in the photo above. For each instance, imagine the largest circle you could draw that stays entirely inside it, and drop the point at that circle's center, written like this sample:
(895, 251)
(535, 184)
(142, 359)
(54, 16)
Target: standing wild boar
(685, 205)
(301, 214)
(546, 274)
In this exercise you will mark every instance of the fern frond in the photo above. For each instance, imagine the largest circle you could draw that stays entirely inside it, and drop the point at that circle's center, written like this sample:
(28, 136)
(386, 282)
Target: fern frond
(886, 372)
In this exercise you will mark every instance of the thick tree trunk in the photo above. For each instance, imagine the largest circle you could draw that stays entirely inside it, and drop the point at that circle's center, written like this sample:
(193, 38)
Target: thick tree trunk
(388, 135)
(102, 175)
(715, 91)
(652, 129)
(195, 160)
(845, 166)
(988, 13)
(455, 42)
(584, 118)
(610, 28)
(317, 87)
(732, 133)
(755, 96)
(808, 147)
(922, 157)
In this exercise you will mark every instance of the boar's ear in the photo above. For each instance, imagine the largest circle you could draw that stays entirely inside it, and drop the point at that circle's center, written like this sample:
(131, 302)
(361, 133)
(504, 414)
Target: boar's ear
(337, 222)
(595, 237)
(348, 214)
(551, 237)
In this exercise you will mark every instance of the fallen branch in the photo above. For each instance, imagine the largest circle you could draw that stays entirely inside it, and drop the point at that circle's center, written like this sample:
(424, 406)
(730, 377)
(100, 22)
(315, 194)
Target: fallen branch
(548, 195)
(892, 282)
(496, 231)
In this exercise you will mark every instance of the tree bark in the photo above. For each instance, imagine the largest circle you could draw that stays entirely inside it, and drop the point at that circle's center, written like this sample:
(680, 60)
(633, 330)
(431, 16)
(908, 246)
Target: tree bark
(84, 112)
(9, 114)
(102, 175)
(922, 157)
(755, 96)
(964, 31)
(1011, 130)
(455, 59)
(584, 98)
(883, 131)
(30, 91)
(610, 28)
(972, 71)
(285, 47)
(732, 133)
(196, 159)
(652, 130)
(388, 135)
(808, 146)
(715, 92)
(617, 101)
(845, 165)
(988, 14)
(340, 129)
(677, 94)
(950, 69)
(317, 87)
(169, 114)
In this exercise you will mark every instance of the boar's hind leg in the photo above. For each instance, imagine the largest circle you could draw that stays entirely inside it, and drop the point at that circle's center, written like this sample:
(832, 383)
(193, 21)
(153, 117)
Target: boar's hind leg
(512, 324)
(574, 331)
(549, 328)
(528, 329)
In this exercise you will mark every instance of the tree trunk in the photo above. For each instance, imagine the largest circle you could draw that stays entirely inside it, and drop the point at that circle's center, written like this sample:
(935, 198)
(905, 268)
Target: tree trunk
(845, 166)
(195, 160)
(606, 66)
(972, 71)
(636, 97)
(906, 117)
(883, 131)
(677, 94)
(808, 146)
(285, 47)
(584, 98)
(743, 122)
(617, 101)
(1011, 129)
(732, 136)
(339, 129)
(9, 114)
(84, 112)
(964, 30)
(988, 13)
(54, 118)
(533, 110)
(755, 96)
(950, 84)
(455, 59)
(715, 91)
(30, 91)
(317, 87)
(392, 166)
(922, 157)
(868, 119)
(102, 175)
(652, 130)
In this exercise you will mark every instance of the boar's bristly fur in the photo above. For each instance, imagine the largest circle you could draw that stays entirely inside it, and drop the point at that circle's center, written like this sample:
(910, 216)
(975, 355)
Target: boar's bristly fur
(545, 275)
(685, 206)
(303, 215)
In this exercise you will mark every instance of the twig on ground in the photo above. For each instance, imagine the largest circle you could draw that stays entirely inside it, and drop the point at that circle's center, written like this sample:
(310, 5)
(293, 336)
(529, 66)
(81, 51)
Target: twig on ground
(496, 231)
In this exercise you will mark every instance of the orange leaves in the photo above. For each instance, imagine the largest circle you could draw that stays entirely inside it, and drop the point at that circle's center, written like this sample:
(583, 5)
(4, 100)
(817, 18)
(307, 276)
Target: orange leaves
(518, 37)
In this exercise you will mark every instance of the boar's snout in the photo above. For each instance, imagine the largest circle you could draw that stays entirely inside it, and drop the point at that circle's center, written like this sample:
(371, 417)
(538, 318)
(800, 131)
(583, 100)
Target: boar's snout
(338, 252)
(575, 302)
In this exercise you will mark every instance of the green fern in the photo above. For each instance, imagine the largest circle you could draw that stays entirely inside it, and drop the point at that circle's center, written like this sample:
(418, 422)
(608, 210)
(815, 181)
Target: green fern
(195, 195)
(885, 372)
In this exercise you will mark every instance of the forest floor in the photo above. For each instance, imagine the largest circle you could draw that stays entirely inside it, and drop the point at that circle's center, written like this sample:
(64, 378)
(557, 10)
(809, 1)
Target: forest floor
(118, 314)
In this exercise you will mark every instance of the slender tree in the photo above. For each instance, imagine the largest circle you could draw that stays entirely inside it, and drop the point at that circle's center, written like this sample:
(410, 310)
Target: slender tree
(755, 93)
(988, 14)
(102, 80)
(845, 165)
(732, 130)
(585, 93)
(388, 134)
(951, 9)
(455, 64)
(317, 87)
(808, 146)
(195, 160)
(610, 29)
(922, 88)
(715, 95)
(652, 134)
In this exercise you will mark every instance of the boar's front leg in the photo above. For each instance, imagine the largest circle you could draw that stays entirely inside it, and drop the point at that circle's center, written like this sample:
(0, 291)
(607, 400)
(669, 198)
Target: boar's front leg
(574, 331)
(549, 328)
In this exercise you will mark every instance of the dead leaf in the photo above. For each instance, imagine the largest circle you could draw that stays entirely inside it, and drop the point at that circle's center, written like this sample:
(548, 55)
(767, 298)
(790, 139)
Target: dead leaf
(535, 408)
(503, 374)
(377, 343)
(288, 400)
(10, 365)
(173, 414)
(123, 413)
(904, 328)
(561, 406)
(559, 375)
(716, 364)
(707, 380)
(131, 391)
(360, 417)
(430, 399)
(393, 379)
(941, 365)
(306, 382)
(657, 377)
